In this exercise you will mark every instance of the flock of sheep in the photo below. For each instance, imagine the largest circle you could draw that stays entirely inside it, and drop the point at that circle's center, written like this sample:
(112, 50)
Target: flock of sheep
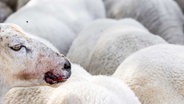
(121, 51)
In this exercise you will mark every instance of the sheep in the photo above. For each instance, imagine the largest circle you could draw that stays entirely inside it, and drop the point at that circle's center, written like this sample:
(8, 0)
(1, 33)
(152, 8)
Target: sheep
(160, 17)
(26, 61)
(66, 18)
(155, 74)
(5, 11)
(87, 90)
(108, 43)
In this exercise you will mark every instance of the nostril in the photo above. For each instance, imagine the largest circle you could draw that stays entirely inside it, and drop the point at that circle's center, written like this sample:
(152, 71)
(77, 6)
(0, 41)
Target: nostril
(67, 65)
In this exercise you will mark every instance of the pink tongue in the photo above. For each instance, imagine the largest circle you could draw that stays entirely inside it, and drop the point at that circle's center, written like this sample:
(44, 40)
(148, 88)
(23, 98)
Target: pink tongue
(60, 78)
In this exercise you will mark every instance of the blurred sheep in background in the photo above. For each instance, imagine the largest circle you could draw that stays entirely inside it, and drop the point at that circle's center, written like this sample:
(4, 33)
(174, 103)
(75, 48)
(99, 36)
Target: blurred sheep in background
(104, 44)
(160, 17)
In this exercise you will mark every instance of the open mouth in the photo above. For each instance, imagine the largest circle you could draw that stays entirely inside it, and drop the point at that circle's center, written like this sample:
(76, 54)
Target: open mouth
(51, 78)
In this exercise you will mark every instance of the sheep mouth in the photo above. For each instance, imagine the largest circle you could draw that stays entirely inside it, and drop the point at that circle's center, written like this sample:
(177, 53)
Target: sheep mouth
(51, 78)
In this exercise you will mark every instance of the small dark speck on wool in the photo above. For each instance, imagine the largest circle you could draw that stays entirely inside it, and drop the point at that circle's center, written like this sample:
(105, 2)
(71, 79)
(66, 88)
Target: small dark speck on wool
(26, 21)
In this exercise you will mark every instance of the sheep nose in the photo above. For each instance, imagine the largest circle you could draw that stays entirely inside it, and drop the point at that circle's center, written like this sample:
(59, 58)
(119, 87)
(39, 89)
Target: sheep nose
(67, 65)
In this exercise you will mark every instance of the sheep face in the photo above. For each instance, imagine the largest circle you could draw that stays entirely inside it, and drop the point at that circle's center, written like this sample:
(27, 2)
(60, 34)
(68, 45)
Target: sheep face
(25, 61)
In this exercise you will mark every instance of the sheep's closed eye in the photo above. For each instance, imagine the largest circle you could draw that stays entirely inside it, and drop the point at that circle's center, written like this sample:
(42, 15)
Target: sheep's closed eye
(17, 47)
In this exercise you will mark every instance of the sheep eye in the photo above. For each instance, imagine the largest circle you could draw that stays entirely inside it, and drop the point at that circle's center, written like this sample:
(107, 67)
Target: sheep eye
(17, 47)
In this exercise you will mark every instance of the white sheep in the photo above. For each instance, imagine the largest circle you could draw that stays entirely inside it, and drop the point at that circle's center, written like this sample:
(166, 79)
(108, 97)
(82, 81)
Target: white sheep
(27, 61)
(87, 90)
(155, 74)
(160, 17)
(104, 44)
(58, 21)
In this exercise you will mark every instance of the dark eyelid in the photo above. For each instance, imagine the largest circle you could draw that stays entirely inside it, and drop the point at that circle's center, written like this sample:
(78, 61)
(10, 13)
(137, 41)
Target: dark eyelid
(12, 47)
(21, 46)
(27, 49)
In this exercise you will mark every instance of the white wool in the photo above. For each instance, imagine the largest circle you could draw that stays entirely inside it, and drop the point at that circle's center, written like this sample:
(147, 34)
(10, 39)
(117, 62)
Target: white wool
(108, 43)
(81, 88)
(161, 17)
(118, 87)
(155, 74)
(58, 21)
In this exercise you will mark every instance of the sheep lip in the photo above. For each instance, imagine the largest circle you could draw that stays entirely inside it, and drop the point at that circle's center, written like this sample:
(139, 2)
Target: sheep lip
(50, 78)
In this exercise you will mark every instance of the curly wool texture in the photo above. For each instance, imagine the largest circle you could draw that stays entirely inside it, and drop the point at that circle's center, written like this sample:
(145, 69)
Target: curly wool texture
(160, 17)
(87, 90)
(155, 74)
(66, 19)
(108, 43)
